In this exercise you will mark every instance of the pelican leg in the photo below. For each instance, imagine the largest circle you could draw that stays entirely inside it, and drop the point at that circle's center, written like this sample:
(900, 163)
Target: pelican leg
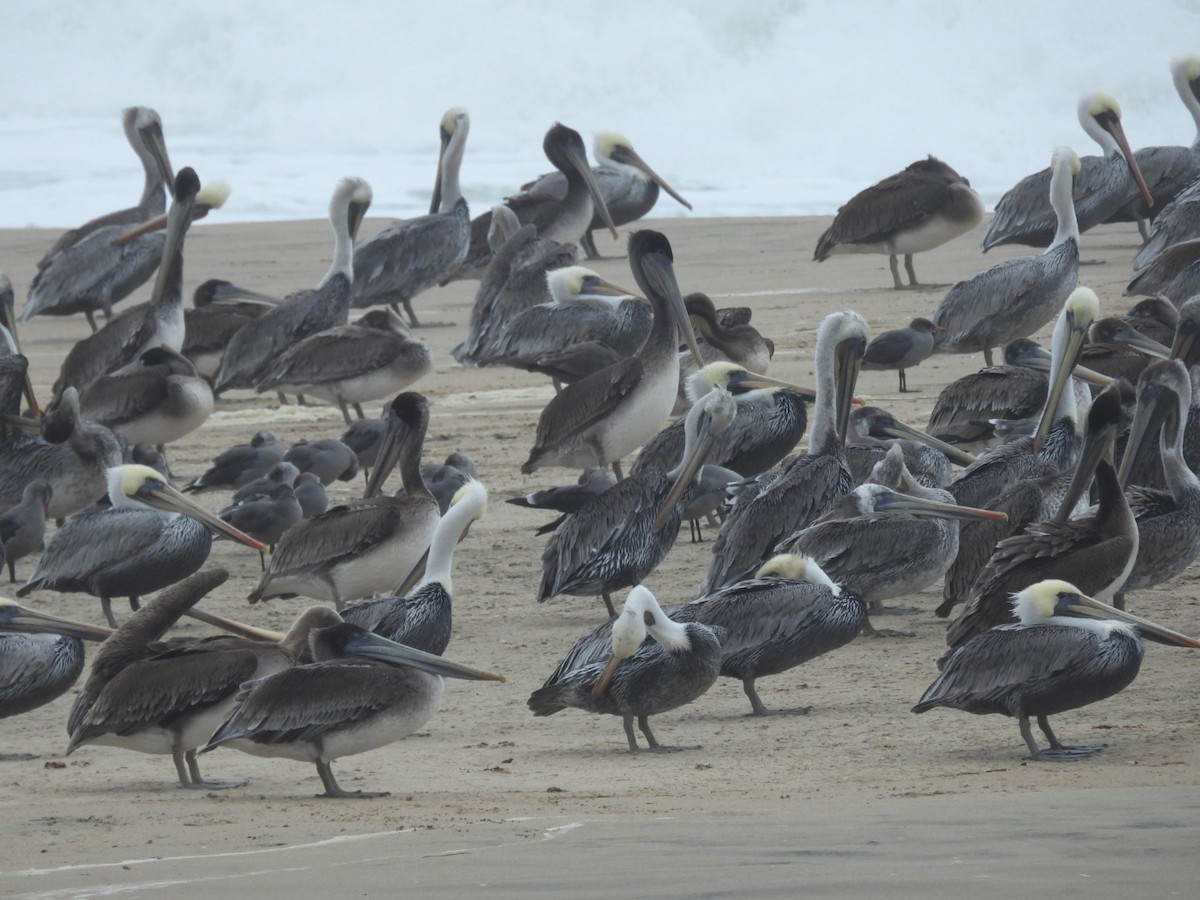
(1143, 229)
(345, 413)
(912, 273)
(358, 410)
(760, 709)
(627, 721)
(412, 316)
(589, 247)
(1060, 747)
(91, 320)
(106, 608)
(655, 746)
(282, 399)
(557, 385)
(1119, 600)
(608, 602)
(616, 466)
(194, 780)
(12, 571)
(134, 603)
(697, 534)
(1055, 753)
(894, 265)
(987, 356)
(334, 791)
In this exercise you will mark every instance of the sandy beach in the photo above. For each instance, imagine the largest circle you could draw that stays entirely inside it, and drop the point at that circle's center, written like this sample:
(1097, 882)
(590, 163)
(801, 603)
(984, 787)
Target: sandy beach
(859, 797)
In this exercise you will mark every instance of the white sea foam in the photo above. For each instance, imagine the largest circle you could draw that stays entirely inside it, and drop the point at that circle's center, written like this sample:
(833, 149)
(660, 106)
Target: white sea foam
(783, 107)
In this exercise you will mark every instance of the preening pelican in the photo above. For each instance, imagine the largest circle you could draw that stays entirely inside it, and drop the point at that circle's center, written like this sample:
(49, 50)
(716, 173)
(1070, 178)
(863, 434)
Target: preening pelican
(1102, 185)
(412, 255)
(1058, 657)
(917, 209)
(641, 678)
(363, 692)
(151, 537)
(220, 309)
(1016, 297)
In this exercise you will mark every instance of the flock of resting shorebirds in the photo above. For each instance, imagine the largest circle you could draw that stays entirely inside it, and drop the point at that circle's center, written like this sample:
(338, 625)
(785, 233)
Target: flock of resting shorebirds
(1042, 491)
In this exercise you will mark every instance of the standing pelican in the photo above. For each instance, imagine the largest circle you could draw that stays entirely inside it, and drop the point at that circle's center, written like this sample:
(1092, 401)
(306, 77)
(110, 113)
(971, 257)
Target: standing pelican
(1016, 297)
(422, 618)
(902, 348)
(917, 209)
(790, 496)
(40, 656)
(253, 350)
(598, 420)
(375, 357)
(1058, 657)
(1102, 185)
(151, 537)
(626, 182)
(412, 255)
(220, 309)
(720, 337)
(641, 678)
(85, 271)
(563, 219)
(363, 692)
(368, 545)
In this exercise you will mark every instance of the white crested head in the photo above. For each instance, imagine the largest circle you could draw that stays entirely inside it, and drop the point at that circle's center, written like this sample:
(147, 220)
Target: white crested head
(214, 194)
(125, 481)
(1083, 306)
(1185, 69)
(1099, 103)
(715, 374)
(797, 567)
(471, 496)
(606, 143)
(1065, 156)
(567, 283)
(840, 326)
(455, 118)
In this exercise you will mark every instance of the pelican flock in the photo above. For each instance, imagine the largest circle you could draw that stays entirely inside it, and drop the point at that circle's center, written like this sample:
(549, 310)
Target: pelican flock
(1021, 500)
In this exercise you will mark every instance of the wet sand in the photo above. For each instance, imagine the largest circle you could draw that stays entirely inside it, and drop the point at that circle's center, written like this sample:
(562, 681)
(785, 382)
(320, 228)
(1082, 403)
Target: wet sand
(858, 797)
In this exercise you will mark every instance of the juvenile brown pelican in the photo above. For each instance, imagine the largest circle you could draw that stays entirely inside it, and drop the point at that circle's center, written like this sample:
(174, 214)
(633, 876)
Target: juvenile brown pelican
(789, 497)
(1058, 657)
(1169, 170)
(158, 322)
(412, 255)
(375, 357)
(40, 656)
(641, 678)
(1173, 274)
(84, 271)
(738, 342)
(620, 537)
(563, 219)
(902, 348)
(1016, 297)
(1178, 222)
(874, 431)
(240, 464)
(1102, 185)
(252, 350)
(151, 537)
(363, 692)
(917, 209)
(368, 545)
(220, 309)
(422, 618)
(514, 280)
(604, 417)
(23, 527)
(156, 399)
(628, 185)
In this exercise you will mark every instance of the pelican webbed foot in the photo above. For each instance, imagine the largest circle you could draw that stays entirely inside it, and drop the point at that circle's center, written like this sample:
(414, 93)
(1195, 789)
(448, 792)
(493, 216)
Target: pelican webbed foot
(758, 708)
(334, 791)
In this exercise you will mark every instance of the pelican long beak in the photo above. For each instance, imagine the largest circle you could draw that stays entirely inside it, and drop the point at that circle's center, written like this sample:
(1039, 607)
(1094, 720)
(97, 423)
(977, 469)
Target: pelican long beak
(688, 469)
(1093, 450)
(579, 161)
(605, 288)
(1091, 376)
(234, 627)
(391, 445)
(380, 649)
(1076, 338)
(212, 196)
(1118, 132)
(906, 504)
(1133, 338)
(14, 617)
(898, 429)
(1184, 346)
(162, 496)
(157, 145)
(435, 202)
(606, 675)
(847, 360)
(1154, 403)
(659, 270)
(1094, 609)
(226, 293)
(754, 381)
(22, 422)
(630, 156)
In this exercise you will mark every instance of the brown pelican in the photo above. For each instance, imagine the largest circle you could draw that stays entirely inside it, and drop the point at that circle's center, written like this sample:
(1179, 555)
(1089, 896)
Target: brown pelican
(1058, 657)
(40, 656)
(1102, 185)
(628, 185)
(790, 496)
(156, 323)
(1016, 297)
(150, 538)
(71, 454)
(219, 311)
(375, 357)
(604, 417)
(240, 464)
(902, 348)
(422, 618)
(562, 219)
(171, 701)
(85, 271)
(1168, 521)
(641, 678)
(1179, 221)
(917, 209)
(583, 309)
(368, 545)
(363, 692)
(1169, 170)
(738, 342)
(156, 399)
(23, 527)
(1173, 274)
(620, 537)
(874, 431)
(412, 255)
(1117, 349)
(514, 280)
(252, 350)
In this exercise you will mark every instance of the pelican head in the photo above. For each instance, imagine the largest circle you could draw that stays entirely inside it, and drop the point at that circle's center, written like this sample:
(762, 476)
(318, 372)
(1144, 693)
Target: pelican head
(1070, 334)
(580, 283)
(472, 498)
(453, 128)
(880, 500)
(192, 202)
(134, 486)
(797, 567)
(1066, 158)
(346, 640)
(407, 419)
(709, 417)
(1185, 345)
(1185, 71)
(1057, 602)
(1163, 396)
(564, 147)
(652, 262)
(738, 380)
(1100, 116)
(143, 130)
(847, 333)
(350, 201)
(616, 152)
(453, 119)
(628, 633)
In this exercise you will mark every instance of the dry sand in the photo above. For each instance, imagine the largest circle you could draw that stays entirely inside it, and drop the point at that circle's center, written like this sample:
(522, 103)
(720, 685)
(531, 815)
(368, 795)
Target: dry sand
(858, 797)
